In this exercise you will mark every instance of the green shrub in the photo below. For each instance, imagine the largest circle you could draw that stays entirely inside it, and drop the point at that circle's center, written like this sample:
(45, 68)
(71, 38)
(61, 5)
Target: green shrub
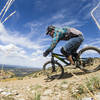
(7, 98)
(96, 82)
(20, 78)
(37, 96)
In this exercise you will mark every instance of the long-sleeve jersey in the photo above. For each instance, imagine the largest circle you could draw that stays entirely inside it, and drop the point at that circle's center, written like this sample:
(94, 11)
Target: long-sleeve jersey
(61, 34)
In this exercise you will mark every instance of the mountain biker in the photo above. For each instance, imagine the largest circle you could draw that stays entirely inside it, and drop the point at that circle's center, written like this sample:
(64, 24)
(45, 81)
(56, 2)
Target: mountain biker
(72, 36)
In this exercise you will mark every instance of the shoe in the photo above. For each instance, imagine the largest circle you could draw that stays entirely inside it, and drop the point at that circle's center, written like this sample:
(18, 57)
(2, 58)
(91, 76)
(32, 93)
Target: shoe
(80, 66)
(71, 66)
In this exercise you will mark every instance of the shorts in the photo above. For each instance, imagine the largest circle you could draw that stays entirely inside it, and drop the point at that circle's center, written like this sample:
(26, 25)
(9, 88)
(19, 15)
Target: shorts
(72, 45)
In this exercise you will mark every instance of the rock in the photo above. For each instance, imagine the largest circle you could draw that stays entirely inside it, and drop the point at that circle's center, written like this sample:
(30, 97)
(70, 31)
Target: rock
(1, 90)
(6, 93)
(15, 92)
(65, 86)
(87, 99)
(21, 99)
(33, 91)
(18, 96)
(47, 92)
(98, 93)
(97, 97)
(28, 88)
(44, 98)
(57, 97)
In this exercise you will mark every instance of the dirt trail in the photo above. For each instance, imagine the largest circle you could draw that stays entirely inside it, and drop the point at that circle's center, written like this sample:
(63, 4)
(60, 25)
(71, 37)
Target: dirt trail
(27, 87)
(41, 80)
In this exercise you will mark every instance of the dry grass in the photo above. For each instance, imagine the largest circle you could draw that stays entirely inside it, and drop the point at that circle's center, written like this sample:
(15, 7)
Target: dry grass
(82, 88)
(6, 98)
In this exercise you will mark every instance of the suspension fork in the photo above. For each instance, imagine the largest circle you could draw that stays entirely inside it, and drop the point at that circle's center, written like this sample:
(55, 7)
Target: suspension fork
(53, 63)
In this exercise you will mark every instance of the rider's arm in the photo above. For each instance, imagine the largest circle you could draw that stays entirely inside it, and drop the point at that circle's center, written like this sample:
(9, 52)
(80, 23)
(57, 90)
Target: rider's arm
(54, 42)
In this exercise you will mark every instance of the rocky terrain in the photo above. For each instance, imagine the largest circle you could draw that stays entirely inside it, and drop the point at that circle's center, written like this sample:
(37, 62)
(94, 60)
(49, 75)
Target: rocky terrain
(38, 87)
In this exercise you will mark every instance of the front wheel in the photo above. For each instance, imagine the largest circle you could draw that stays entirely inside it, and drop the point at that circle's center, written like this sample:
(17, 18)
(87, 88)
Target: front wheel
(89, 59)
(53, 70)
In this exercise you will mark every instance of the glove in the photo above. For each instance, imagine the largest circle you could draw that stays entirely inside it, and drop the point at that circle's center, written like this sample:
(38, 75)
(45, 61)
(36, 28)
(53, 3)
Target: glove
(45, 53)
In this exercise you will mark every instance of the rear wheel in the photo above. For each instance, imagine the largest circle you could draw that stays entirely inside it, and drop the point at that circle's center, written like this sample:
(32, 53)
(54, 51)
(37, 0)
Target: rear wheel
(53, 70)
(89, 59)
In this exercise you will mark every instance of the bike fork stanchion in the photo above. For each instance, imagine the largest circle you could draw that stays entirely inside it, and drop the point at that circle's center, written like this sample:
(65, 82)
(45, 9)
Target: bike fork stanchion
(53, 65)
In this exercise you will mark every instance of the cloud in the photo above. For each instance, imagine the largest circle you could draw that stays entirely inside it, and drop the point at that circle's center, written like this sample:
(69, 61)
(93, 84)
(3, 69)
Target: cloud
(97, 13)
(58, 16)
(12, 50)
(85, 7)
(71, 23)
(38, 59)
(34, 27)
(64, 17)
(14, 47)
(14, 55)
(17, 39)
(92, 42)
(40, 5)
(11, 54)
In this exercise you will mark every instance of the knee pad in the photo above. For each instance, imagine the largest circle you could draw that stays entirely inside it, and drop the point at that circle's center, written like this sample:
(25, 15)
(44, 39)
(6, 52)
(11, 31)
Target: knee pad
(63, 51)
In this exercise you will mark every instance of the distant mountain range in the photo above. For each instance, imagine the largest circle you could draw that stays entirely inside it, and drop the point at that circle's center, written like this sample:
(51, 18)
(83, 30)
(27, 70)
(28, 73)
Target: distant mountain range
(19, 70)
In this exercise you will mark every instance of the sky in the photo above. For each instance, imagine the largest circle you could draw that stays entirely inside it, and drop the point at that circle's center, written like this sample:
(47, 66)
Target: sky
(22, 36)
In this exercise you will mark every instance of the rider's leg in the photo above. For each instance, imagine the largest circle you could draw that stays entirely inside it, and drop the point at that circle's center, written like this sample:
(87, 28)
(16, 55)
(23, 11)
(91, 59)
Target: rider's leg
(71, 46)
(68, 57)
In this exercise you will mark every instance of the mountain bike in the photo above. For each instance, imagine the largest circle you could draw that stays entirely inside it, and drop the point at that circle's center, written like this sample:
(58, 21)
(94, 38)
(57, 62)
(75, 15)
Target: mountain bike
(87, 60)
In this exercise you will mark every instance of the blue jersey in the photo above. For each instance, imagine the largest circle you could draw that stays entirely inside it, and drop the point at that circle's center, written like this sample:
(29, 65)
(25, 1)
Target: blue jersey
(59, 34)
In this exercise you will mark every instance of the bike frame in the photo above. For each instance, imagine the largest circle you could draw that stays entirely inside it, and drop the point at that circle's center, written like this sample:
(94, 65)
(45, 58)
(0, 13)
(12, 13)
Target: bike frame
(59, 57)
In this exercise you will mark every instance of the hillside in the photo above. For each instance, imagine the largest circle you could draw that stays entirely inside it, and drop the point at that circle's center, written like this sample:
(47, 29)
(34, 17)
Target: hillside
(18, 70)
(37, 87)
